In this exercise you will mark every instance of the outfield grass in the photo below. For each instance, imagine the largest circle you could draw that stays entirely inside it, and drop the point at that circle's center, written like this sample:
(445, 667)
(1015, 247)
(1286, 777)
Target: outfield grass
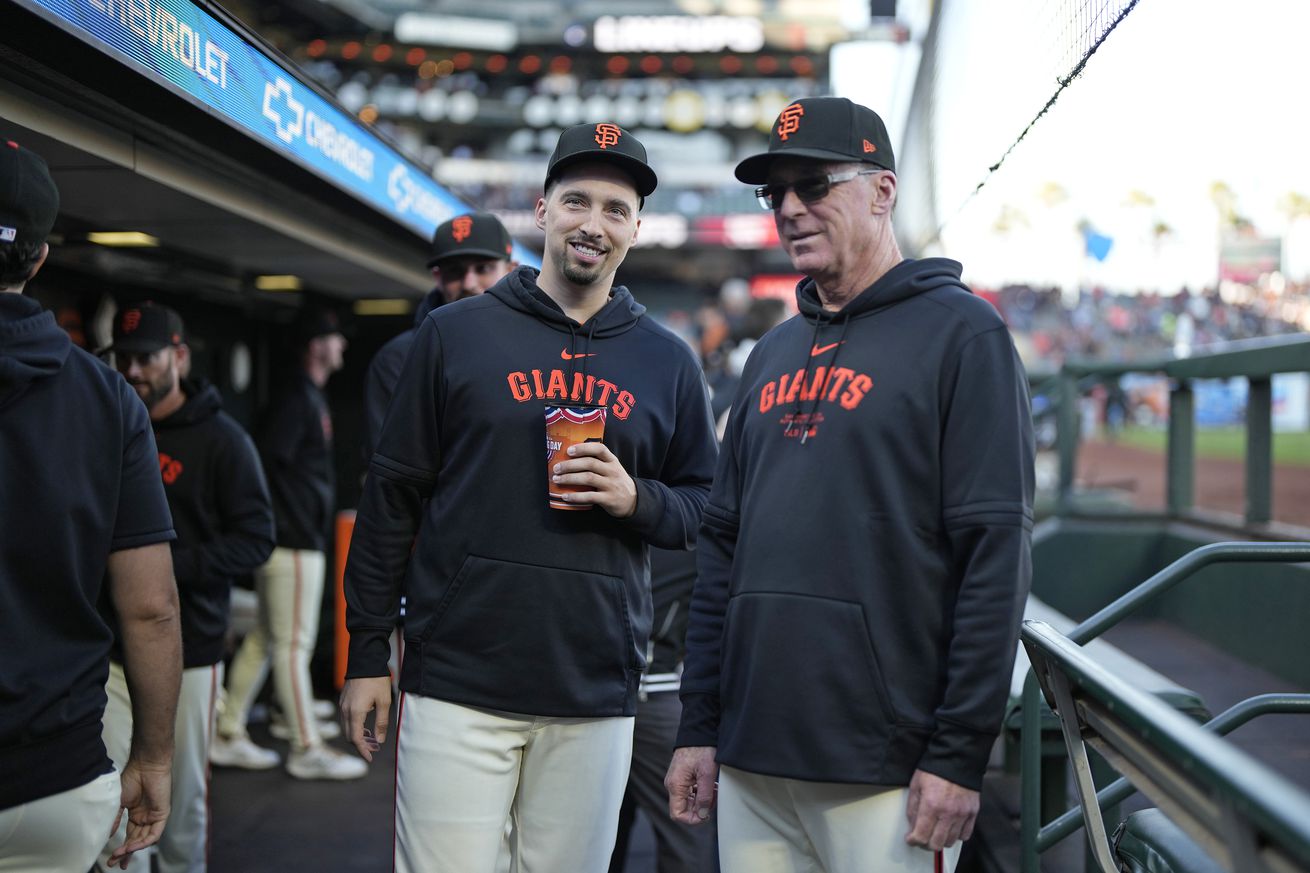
(1289, 448)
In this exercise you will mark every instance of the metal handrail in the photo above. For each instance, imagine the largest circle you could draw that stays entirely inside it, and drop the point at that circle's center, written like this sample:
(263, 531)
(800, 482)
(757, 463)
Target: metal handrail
(1258, 806)
(1034, 838)
(1223, 724)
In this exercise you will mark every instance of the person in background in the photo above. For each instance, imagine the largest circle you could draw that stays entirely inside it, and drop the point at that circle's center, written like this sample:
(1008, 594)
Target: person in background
(224, 522)
(83, 512)
(295, 446)
(470, 253)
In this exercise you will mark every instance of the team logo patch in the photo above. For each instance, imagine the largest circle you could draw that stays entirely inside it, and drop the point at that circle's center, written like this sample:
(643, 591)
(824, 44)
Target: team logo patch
(869, 147)
(461, 227)
(607, 135)
(131, 320)
(790, 121)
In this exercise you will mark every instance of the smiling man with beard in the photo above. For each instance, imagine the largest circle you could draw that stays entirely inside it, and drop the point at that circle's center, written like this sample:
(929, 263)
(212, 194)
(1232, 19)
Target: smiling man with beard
(224, 522)
(526, 626)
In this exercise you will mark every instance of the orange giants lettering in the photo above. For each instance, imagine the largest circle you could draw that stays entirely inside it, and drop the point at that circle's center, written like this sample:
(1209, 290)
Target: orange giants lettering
(834, 385)
(554, 385)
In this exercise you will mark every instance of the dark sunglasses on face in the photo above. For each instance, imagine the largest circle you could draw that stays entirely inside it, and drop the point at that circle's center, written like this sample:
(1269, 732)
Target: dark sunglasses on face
(809, 190)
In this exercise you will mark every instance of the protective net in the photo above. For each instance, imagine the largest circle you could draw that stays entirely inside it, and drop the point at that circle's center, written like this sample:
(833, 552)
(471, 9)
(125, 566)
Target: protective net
(988, 74)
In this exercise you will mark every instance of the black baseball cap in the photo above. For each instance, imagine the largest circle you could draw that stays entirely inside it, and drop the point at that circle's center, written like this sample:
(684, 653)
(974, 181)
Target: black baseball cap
(825, 129)
(605, 143)
(317, 321)
(474, 234)
(145, 328)
(29, 200)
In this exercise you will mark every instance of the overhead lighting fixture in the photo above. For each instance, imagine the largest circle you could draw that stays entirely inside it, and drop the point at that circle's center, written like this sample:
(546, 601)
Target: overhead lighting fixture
(389, 306)
(474, 34)
(123, 238)
(277, 283)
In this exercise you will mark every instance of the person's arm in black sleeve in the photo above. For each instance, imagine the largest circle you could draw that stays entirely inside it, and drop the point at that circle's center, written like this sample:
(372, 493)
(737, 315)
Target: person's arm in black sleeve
(400, 478)
(379, 386)
(246, 536)
(669, 507)
(987, 475)
(715, 546)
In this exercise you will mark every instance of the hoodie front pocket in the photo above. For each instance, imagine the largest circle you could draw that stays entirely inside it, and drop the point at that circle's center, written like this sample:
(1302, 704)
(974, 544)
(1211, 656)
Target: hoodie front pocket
(802, 689)
(534, 639)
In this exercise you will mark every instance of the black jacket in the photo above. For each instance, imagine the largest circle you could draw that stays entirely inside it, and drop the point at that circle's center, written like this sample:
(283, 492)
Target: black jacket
(384, 373)
(295, 446)
(221, 512)
(866, 549)
(513, 605)
(79, 478)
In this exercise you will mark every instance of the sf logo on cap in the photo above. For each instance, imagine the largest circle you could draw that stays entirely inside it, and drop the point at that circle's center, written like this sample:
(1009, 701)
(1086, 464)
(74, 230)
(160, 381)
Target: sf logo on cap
(461, 227)
(607, 135)
(790, 121)
(131, 319)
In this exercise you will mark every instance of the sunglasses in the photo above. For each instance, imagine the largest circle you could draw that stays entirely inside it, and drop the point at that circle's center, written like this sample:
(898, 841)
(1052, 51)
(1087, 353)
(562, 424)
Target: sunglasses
(810, 190)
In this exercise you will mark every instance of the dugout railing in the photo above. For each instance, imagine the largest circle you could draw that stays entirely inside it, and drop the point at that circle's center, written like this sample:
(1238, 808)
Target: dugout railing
(1244, 816)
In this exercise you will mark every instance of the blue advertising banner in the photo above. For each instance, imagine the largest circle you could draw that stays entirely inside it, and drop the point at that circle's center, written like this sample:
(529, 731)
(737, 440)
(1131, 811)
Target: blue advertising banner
(190, 52)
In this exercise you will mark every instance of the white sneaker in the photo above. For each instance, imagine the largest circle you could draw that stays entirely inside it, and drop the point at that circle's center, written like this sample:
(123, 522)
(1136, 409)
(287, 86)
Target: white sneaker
(324, 710)
(320, 762)
(239, 751)
(277, 726)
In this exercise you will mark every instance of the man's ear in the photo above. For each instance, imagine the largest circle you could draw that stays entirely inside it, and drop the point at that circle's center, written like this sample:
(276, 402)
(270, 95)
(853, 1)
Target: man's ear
(40, 260)
(884, 198)
(541, 213)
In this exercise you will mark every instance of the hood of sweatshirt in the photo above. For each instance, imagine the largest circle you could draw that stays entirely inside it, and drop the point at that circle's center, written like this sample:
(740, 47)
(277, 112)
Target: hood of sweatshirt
(431, 300)
(202, 402)
(905, 280)
(520, 291)
(32, 345)
(901, 282)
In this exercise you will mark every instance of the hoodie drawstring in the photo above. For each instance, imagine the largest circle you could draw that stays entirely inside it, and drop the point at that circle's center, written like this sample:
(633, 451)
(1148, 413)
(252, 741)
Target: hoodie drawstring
(805, 421)
(573, 350)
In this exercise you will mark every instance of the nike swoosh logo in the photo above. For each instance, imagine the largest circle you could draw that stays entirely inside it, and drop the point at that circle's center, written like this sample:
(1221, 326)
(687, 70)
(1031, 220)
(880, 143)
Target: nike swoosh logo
(564, 353)
(818, 350)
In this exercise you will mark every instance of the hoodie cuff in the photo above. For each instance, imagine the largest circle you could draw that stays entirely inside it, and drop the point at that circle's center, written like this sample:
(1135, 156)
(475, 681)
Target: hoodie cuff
(959, 755)
(650, 507)
(370, 650)
(700, 720)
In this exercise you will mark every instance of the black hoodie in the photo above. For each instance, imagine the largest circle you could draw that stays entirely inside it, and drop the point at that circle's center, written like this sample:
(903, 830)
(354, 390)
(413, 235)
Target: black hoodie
(221, 511)
(866, 549)
(384, 372)
(79, 478)
(513, 605)
(295, 447)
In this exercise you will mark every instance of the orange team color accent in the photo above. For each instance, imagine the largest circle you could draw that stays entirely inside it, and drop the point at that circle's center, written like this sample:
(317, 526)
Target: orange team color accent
(790, 121)
(607, 135)
(461, 227)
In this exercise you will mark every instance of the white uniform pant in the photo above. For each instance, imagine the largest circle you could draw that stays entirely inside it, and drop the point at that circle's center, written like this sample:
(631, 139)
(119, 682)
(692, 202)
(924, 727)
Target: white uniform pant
(61, 833)
(290, 592)
(184, 845)
(773, 825)
(462, 773)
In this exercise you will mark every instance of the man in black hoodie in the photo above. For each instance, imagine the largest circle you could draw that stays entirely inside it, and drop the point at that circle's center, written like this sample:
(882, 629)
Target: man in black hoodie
(470, 253)
(865, 553)
(224, 523)
(525, 626)
(81, 503)
(295, 446)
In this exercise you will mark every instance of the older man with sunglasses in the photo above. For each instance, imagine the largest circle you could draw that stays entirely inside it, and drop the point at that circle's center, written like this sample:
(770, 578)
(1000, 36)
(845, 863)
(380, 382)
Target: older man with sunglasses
(865, 553)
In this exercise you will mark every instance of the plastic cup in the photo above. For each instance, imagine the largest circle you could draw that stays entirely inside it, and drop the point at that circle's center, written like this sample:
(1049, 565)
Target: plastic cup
(567, 426)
